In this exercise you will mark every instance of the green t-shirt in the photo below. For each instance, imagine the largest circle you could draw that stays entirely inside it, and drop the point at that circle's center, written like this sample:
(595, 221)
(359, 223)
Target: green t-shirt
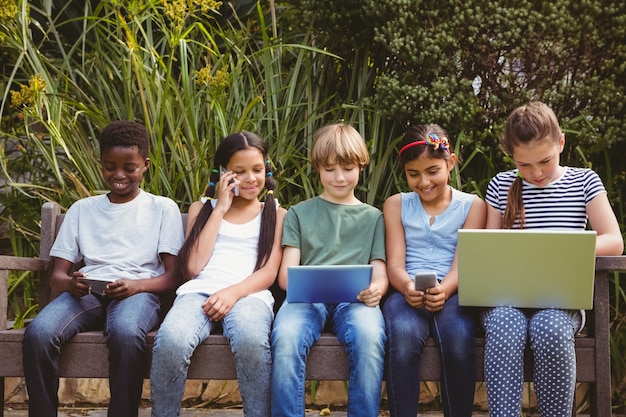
(335, 234)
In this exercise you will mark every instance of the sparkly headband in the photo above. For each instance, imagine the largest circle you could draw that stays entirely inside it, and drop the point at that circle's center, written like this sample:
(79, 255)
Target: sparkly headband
(432, 140)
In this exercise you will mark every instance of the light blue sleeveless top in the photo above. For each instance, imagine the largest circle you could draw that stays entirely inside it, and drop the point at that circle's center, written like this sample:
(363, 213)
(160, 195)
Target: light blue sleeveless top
(430, 247)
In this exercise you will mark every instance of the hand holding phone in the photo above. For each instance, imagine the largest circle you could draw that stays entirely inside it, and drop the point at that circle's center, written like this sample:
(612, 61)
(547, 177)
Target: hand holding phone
(95, 285)
(222, 172)
(425, 280)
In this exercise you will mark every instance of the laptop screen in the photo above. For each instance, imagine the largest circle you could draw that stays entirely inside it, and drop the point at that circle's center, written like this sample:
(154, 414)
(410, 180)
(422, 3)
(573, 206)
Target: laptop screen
(526, 268)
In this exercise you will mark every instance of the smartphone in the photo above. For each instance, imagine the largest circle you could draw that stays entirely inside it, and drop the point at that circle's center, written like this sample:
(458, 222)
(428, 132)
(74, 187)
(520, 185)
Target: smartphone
(425, 280)
(222, 172)
(96, 285)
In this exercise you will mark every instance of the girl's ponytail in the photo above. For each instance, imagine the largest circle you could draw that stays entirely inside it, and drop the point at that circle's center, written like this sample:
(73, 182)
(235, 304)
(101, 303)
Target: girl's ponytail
(514, 206)
(194, 232)
(268, 219)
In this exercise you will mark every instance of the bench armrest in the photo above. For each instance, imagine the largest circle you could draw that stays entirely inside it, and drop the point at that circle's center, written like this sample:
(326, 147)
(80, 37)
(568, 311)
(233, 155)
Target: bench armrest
(15, 263)
(611, 263)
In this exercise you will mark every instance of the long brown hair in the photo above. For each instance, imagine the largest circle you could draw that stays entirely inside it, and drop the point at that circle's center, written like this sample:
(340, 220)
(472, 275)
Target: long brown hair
(227, 147)
(534, 121)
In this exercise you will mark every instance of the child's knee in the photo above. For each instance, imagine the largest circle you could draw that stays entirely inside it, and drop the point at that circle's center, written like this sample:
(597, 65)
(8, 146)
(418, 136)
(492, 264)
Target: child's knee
(552, 330)
(507, 326)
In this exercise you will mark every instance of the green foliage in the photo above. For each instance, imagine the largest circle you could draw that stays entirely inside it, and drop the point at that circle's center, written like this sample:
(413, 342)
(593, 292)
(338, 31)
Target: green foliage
(466, 66)
(470, 64)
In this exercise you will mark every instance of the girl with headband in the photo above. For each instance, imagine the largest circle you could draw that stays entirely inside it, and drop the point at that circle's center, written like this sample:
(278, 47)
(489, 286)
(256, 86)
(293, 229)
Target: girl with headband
(421, 236)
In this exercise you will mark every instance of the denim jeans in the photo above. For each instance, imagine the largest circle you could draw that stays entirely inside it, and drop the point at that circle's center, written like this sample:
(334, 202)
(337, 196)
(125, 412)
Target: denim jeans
(299, 325)
(125, 324)
(454, 329)
(247, 326)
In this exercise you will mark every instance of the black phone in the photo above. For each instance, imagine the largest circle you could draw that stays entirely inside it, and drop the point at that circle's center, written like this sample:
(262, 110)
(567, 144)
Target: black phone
(425, 280)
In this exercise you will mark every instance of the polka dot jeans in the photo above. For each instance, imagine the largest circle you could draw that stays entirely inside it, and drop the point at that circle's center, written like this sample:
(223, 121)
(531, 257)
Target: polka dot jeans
(551, 334)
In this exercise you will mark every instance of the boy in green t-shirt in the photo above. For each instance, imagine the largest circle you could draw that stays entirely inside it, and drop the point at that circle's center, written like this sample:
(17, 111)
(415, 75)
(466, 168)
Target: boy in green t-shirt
(334, 228)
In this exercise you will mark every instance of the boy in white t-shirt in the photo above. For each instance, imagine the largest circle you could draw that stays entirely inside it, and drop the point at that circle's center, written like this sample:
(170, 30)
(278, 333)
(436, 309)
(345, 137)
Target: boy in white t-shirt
(129, 237)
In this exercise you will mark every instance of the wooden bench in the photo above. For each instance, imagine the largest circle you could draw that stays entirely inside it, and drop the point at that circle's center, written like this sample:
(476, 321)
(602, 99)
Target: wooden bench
(327, 360)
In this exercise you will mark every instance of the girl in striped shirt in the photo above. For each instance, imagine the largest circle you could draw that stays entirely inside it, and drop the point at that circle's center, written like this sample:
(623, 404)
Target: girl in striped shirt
(540, 193)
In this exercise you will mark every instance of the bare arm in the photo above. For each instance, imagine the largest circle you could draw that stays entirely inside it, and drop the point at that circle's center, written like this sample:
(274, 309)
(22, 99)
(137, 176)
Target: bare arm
(372, 295)
(395, 244)
(603, 221)
(291, 257)
(494, 218)
(202, 250)
(61, 280)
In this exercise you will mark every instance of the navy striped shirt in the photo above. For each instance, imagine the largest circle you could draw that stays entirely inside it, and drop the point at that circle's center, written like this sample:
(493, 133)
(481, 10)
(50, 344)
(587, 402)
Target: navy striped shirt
(560, 205)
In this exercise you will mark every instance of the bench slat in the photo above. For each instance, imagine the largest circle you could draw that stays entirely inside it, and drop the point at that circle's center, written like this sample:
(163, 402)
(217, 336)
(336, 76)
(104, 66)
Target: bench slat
(214, 360)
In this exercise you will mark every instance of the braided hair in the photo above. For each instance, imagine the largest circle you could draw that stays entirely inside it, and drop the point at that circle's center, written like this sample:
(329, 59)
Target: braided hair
(227, 147)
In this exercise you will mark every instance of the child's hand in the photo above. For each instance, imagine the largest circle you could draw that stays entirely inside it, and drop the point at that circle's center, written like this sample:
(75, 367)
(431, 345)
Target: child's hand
(370, 296)
(76, 286)
(220, 303)
(122, 288)
(413, 297)
(435, 298)
(225, 194)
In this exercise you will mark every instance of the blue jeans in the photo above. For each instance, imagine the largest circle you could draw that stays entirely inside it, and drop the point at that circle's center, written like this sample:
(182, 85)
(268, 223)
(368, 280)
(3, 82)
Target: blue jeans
(247, 326)
(298, 326)
(125, 324)
(454, 329)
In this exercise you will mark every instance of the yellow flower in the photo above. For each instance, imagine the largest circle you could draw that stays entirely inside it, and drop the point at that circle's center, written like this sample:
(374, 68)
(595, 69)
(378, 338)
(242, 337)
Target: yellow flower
(215, 81)
(208, 5)
(8, 9)
(26, 95)
(37, 83)
(178, 10)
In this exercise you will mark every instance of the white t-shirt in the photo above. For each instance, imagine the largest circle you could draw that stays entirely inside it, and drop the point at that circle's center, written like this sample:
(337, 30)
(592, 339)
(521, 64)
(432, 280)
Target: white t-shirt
(120, 240)
(233, 260)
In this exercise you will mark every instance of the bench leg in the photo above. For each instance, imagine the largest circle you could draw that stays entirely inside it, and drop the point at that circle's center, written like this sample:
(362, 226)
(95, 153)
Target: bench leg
(600, 398)
(2, 398)
(600, 390)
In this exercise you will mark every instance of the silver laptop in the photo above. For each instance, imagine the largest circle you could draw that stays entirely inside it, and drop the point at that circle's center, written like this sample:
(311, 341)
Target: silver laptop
(327, 283)
(527, 268)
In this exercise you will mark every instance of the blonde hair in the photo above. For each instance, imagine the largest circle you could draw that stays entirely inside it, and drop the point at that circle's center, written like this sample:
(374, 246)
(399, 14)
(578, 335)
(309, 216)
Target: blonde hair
(338, 143)
(532, 122)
